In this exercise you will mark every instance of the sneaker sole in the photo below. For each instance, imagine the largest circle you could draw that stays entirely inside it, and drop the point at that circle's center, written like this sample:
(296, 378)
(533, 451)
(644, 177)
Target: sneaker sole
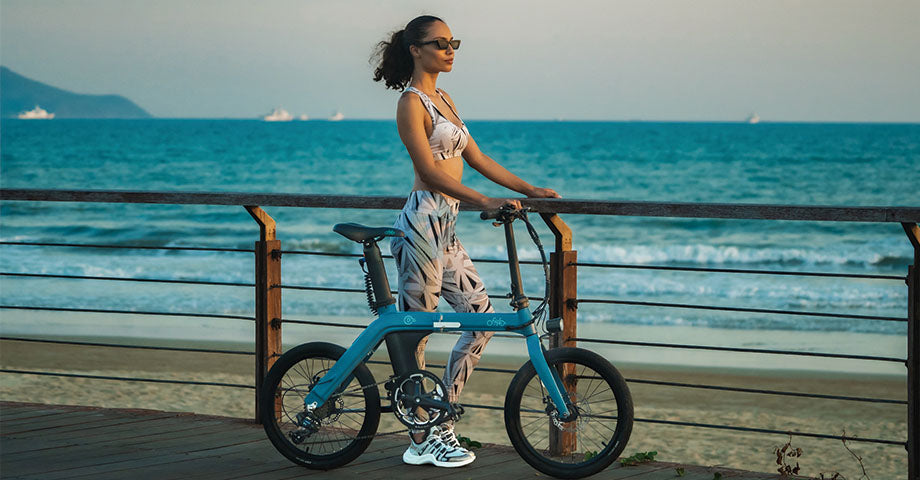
(429, 458)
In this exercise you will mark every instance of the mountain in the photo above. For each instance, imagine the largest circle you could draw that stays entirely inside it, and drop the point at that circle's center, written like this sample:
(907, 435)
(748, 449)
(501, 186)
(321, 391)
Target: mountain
(19, 94)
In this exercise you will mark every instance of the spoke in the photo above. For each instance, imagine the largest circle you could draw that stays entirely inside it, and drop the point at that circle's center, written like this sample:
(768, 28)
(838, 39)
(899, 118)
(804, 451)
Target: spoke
(600, 433)
(607, 390)
(543, 419)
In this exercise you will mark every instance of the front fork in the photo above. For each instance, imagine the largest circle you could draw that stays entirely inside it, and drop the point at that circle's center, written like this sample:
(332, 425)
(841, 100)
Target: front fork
(549, 377)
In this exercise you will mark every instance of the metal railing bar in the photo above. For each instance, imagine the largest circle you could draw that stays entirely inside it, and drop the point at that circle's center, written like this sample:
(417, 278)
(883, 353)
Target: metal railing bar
(481, 369)
(130, 312)
(323, 324)
(640, 267)
(321, 289)
(731, 427)
(767, 392)
(358, 255)
(128, 379)
(740, 350)
(476, 260)
(766, 430)
(127, 247)
(709, 387)
(739, 309)
(359, 290)
(646, 304)
(326, 254)
(738, 270)
(127, 279)
(116, 345)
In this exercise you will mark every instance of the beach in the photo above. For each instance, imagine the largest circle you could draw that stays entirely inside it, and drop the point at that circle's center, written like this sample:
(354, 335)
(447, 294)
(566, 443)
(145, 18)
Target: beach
(693, 445)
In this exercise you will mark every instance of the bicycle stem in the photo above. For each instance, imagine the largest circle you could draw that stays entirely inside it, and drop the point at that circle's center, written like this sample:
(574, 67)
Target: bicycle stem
(518, 299)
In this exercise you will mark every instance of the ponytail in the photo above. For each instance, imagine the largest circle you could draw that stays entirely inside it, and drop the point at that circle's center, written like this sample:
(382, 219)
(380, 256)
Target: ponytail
(395, 64)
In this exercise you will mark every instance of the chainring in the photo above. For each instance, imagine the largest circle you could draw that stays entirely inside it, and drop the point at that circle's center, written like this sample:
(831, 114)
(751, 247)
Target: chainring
(408, 389)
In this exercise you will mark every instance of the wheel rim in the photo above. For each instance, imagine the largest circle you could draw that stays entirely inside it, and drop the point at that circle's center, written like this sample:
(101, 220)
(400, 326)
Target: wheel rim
(341, 419)
(595, 431)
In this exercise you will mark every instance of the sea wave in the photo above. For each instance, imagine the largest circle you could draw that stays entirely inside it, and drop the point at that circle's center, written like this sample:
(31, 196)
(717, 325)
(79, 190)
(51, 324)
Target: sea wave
(720, 255)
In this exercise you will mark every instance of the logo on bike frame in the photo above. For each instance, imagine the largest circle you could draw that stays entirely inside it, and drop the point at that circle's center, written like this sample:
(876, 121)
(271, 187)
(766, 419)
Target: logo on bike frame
(408, 320)
(495, 322)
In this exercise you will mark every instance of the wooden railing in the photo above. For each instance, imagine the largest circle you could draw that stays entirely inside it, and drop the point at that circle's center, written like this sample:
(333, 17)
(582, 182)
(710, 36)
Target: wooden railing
(563, 260)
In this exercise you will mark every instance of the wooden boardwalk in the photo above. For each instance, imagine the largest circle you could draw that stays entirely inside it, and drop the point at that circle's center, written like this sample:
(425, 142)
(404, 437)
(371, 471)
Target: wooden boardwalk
(55, 442)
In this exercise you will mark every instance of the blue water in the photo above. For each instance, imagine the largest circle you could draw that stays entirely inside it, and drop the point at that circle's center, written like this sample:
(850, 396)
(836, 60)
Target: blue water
(812, 164)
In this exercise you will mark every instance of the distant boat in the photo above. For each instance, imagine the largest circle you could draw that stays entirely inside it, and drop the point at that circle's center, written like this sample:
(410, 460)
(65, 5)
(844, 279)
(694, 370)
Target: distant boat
(753, 119)
(303, 117)
(37, 113)
(278, 115)
(337, 116)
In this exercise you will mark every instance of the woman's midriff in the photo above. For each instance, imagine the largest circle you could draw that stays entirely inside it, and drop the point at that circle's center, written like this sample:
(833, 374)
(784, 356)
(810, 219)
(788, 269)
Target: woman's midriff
(451, 166)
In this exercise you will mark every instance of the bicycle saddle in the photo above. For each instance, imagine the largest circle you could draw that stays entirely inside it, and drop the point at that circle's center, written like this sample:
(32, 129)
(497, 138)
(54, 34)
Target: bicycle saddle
(360, 233)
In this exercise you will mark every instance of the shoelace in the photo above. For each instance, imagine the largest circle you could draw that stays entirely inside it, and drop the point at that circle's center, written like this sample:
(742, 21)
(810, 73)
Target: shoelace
(448, 437)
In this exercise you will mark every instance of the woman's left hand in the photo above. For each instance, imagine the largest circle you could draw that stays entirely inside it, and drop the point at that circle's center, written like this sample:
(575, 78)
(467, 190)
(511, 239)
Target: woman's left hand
(543, 193)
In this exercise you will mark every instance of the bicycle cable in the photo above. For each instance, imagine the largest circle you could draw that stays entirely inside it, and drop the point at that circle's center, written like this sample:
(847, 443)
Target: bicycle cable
(539, 313)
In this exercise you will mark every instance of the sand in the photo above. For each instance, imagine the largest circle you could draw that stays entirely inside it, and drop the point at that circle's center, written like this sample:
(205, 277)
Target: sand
(693, 445)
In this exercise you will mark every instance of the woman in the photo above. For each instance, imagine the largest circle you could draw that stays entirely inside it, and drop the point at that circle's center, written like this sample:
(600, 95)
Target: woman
(430, 259)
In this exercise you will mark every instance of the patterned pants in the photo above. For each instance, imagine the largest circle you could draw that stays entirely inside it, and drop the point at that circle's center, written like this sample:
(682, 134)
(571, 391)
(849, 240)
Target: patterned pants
(432, 262)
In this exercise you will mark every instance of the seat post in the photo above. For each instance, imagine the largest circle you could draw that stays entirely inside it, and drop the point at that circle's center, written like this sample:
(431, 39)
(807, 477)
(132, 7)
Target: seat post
(378, 274)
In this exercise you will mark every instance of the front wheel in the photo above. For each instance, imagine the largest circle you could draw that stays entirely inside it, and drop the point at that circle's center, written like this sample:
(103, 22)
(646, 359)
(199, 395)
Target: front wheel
(585, 445)
(344, 426)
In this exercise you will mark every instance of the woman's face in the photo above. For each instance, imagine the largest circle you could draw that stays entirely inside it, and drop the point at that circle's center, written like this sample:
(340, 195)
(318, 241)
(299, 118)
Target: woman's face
(428, 56)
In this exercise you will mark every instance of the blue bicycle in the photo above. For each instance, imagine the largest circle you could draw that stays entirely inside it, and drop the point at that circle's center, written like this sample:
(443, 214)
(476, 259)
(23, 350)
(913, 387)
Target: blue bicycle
(568, 411)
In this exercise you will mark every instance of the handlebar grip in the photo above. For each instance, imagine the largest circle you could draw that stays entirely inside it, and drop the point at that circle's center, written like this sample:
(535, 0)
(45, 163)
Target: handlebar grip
(490, 214)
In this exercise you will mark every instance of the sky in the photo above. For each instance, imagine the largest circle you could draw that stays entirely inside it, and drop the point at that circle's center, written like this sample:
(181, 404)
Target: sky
(673, 60)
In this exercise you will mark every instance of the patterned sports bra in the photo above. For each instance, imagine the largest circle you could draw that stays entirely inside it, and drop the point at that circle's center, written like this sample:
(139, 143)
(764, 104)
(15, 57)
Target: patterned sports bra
(447, 140)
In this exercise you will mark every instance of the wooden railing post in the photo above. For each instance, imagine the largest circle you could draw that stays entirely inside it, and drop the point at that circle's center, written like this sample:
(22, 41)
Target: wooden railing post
(268, 298)
(913, 355)
(563, 293)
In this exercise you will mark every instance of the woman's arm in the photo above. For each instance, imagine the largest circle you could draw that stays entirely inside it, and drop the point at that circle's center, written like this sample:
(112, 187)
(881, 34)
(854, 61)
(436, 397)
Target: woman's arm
(411, 118)
(491, 169)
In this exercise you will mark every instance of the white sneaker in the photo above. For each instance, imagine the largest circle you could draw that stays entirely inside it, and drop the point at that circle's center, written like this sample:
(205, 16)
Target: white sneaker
(449, 438)
(436, 451)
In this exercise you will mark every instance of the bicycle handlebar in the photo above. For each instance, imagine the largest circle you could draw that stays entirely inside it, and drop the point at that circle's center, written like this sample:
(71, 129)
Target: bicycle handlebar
(503, 213)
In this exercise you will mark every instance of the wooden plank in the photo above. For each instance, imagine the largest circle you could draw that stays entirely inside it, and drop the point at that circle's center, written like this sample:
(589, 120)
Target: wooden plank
(8, 419)
(99, 420)
(45, 417)
(485, 466)
(267, 470)
(542, 205)
(198, 441)
(107, 423)
(128, 429)
(52, 421)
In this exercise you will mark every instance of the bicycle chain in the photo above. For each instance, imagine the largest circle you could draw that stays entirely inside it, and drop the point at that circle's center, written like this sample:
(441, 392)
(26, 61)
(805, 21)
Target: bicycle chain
(362, 389)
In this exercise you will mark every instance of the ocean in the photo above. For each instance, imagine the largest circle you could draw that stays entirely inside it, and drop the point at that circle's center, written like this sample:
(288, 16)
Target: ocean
(802, 164)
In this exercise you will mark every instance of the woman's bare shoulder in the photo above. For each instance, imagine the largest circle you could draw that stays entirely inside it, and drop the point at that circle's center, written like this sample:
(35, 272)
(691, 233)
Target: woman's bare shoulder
(409, 109)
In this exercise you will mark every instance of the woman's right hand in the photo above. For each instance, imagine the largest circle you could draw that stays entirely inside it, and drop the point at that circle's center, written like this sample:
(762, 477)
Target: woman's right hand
(496, 203)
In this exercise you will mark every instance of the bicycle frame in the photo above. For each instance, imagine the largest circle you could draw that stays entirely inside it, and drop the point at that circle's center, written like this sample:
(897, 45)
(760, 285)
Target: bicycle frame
(393, 321)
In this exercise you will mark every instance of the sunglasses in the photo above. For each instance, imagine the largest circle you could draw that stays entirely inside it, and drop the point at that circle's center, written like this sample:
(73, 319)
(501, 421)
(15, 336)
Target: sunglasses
(443, 43)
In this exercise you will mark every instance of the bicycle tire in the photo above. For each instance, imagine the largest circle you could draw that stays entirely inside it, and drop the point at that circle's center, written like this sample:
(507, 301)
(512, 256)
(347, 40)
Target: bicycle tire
(597, 443)
(347, 426)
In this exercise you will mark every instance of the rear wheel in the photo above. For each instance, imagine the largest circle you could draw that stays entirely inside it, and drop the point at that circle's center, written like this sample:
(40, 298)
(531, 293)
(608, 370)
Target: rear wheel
(589, 443)
(344, 425)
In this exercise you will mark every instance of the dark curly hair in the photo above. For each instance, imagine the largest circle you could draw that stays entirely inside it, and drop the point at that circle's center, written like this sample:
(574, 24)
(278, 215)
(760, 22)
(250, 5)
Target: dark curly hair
(395, 62)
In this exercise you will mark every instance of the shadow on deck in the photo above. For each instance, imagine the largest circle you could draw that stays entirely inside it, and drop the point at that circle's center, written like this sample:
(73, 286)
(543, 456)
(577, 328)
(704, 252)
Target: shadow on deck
(52, 442)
